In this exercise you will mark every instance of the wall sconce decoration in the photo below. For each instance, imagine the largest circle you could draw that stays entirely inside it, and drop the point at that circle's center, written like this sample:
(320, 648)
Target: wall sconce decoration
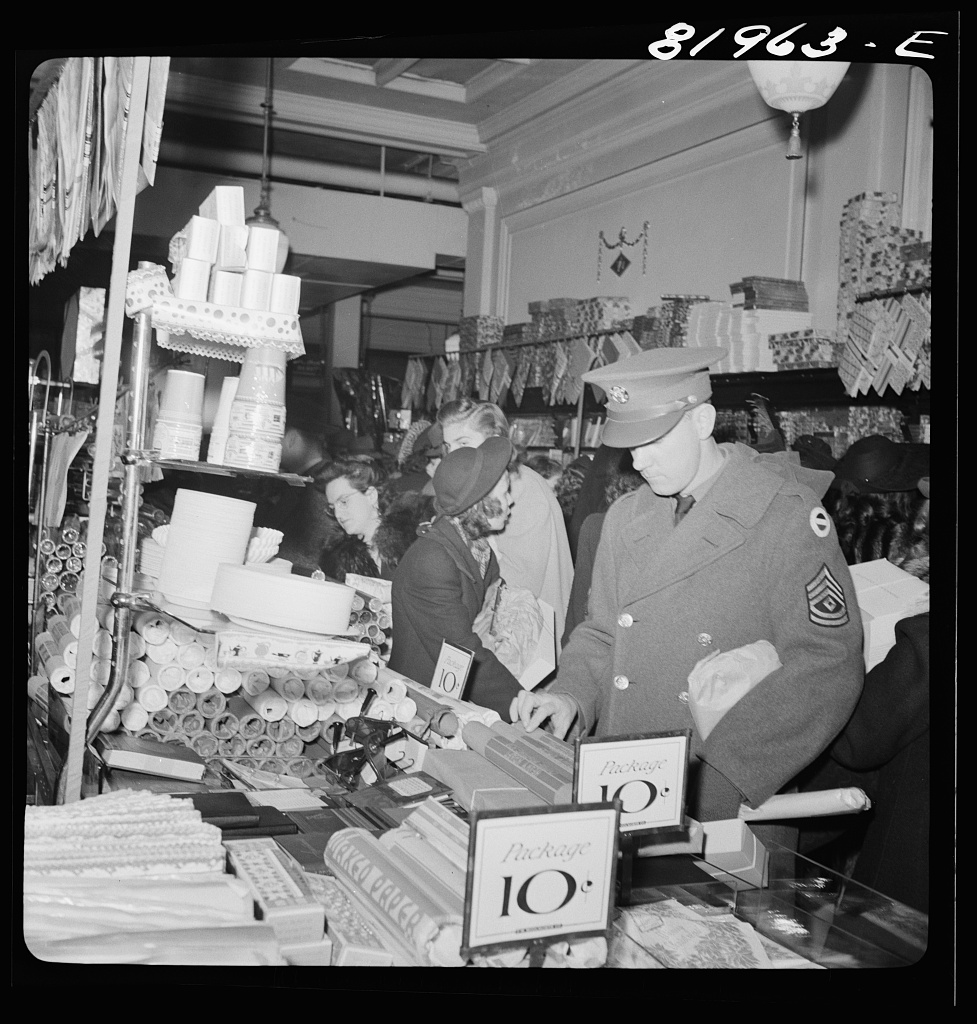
(622, 262)
(797, 86)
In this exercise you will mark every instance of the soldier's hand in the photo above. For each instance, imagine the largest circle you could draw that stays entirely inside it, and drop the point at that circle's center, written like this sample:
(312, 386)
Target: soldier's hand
(532, 709)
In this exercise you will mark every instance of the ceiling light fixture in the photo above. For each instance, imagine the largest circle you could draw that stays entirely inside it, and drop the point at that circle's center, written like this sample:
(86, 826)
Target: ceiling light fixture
(797, 86)
(262, 214)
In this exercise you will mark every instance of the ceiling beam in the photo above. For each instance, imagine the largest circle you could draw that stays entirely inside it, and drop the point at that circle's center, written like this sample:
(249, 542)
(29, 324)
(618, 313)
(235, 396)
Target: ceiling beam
(389, 68)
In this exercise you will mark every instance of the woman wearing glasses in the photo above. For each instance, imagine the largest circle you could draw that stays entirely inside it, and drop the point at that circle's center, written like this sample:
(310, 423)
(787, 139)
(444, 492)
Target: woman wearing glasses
(378, 526)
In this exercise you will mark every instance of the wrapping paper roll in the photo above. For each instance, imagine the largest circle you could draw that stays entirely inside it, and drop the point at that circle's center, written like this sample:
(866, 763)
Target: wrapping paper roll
(151, 626)
(182, 634)
(303, 711)
(255, 681)
(105, 615)
(102, 643)
(111, 722)
(134, 717)
(233, 746)
(137, 646)
(306, 733)
(382, 711)
(364, 671)
(138, 674)
(61, 677)
(211, 703)
(223, 725)
(170, 677)
(326, 711)
(100, 671)
(164, 722)
(405, 710)
(125, 697)
(431, 927)
(95, 692)
(274, 765)
(292, 747)
(289, 686)
(346, 690)
(261, 746)
(269, 705)
(336, 672)
(163, 653)
(228, 680)
(319, 690)
(189, 656)
(70, 605)
(206, 744)
(152, 697)
(191, 723)
(181, 700)
(281, 730)
(429, 868)
(300, 767)
(846, 800)
(249, 722)
(64, 639)
(210, 658)
(200, 679)
(391, 689)
(350, 709)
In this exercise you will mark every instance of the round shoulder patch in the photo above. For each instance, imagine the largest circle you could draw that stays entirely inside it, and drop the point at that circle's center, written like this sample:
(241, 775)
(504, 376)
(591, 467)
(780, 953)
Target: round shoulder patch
(820, 522)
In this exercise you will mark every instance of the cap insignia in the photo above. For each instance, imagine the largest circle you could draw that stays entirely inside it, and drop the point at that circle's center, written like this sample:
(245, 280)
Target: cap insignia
(618, 393)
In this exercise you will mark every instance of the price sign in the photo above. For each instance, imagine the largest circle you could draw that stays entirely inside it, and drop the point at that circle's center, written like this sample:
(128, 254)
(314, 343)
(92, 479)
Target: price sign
(647, 773)
(539, 874)
(451, 671)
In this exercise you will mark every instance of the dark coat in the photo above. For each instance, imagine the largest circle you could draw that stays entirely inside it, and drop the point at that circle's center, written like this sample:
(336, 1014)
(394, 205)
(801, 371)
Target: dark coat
(746, 564)
(885, 750)
(583, 573)
(437, 592)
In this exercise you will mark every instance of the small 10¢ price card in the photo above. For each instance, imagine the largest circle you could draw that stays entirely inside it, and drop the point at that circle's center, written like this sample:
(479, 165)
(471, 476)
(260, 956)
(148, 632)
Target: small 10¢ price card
(539, 873)
(647, 773)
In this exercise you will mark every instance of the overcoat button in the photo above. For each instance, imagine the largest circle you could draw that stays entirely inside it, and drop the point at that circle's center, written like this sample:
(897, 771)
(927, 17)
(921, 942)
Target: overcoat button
(705, 639)
(622, 682)
(684, 697)
(625, 620)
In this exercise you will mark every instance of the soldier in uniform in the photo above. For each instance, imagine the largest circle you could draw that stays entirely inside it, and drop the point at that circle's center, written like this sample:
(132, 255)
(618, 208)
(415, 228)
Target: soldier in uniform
(725, 547)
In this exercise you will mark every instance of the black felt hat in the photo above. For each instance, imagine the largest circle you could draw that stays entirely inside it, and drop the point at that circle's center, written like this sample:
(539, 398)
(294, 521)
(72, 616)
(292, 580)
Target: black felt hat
(815, 452)
(876, 464)
(466, 475)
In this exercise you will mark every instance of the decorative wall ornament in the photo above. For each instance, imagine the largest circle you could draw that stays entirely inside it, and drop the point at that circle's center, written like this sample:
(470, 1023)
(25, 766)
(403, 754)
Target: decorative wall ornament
(621, 263)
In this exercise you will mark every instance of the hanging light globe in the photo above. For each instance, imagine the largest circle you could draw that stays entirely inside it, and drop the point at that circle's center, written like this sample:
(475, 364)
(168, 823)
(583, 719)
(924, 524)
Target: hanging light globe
(797, 86)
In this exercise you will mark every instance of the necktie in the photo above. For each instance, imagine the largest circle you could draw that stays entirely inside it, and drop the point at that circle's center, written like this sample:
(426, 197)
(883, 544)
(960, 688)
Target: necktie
(682, 505)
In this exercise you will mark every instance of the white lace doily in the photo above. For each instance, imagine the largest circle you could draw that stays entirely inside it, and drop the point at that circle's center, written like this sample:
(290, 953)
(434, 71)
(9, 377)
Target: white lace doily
(206, 328)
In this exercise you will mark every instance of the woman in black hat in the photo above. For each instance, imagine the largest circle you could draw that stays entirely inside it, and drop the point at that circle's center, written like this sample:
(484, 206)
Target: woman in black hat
(440, 584)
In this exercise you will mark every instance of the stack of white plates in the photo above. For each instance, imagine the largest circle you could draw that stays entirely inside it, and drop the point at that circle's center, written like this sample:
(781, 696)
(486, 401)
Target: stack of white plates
(290, 603)
(205, 531)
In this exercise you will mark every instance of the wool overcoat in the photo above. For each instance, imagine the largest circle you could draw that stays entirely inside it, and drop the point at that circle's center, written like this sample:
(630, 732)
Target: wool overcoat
(756, 559)
(437, 592)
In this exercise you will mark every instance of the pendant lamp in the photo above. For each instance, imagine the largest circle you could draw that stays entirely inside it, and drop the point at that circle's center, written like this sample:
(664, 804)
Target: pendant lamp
(797, 86)
(262, 213)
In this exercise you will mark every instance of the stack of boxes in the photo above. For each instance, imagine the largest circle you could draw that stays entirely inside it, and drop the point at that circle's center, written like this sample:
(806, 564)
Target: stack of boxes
(886, 594)
(217, 258)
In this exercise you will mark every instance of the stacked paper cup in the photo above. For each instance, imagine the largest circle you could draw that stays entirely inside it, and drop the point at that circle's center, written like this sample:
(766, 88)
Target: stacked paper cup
(205, 530)
(179, 425)
(222, 421)
(257, 420)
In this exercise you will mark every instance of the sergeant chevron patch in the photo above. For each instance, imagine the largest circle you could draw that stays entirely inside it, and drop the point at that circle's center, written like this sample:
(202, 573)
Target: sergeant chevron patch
(826, 600)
